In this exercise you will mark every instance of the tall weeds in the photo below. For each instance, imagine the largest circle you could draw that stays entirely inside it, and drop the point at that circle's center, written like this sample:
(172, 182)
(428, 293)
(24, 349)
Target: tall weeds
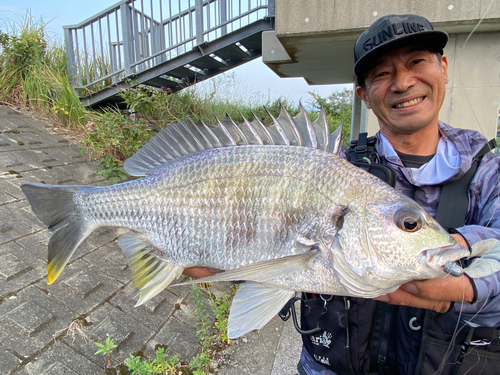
(33, 73)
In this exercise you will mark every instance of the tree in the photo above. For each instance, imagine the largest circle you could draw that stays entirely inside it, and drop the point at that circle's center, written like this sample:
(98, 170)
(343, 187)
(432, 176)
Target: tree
(338, 108)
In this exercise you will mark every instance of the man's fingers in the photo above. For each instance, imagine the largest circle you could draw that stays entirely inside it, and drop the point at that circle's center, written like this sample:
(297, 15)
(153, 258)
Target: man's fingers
(447, 289)
(401, 297)
(199, 272)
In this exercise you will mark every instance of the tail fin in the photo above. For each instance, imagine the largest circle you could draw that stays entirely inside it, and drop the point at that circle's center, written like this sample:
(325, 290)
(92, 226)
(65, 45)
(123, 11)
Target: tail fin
(55, 207)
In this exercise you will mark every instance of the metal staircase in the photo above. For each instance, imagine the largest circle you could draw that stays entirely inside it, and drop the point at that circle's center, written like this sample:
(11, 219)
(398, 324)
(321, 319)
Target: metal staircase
(167, 44)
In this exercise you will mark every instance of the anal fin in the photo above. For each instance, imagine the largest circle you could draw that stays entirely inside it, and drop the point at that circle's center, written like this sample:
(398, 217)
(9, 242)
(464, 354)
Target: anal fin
(149, 274)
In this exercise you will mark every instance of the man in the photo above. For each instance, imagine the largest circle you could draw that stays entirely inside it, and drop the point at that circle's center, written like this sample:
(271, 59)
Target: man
(402, 73)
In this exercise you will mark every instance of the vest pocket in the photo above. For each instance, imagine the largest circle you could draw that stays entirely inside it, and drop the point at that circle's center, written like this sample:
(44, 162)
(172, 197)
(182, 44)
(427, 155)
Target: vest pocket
(329, 346)
(472, 351)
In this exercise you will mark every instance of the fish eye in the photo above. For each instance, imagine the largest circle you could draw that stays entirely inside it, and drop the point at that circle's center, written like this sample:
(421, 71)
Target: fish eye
(408, 220)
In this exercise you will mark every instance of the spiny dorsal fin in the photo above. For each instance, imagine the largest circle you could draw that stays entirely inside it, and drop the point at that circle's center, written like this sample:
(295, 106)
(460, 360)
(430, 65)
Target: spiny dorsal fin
(149, 274)
(187, 138)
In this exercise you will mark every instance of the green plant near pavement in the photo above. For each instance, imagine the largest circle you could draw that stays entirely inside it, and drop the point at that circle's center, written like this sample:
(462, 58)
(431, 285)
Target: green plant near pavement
(160, 365)
(106, 349)
(221, 310)
(200, 364)
(213, 338)
(116, 134)
(113, 137)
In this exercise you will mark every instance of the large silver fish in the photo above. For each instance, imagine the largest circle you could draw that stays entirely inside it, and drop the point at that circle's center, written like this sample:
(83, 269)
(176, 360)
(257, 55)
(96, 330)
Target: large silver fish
(272, 205)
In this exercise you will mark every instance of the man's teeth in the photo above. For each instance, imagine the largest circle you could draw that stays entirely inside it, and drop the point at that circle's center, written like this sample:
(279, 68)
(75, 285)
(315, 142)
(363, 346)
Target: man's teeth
(409, 103)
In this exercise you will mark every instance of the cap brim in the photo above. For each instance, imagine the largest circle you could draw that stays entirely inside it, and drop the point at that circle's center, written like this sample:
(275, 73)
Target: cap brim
(434, 39)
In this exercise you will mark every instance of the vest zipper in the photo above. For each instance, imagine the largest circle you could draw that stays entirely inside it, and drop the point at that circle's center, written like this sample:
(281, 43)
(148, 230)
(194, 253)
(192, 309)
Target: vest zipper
(347, 305)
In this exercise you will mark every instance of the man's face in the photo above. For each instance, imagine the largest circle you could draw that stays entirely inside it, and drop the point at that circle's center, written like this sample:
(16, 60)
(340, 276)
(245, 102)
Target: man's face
(405, 89)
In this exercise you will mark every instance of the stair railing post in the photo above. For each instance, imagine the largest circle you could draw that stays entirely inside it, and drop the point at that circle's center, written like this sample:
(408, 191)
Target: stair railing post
(223, 16)
(128, 38)
(271, 8)
(70, 56)
(198, 8)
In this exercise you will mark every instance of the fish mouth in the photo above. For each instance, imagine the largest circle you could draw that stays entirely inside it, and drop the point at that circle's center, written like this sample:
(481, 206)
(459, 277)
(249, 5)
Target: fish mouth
(443, 258)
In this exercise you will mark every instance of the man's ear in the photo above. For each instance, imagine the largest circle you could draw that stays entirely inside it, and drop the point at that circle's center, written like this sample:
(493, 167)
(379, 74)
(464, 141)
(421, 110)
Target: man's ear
(362, 95)
(444, 64)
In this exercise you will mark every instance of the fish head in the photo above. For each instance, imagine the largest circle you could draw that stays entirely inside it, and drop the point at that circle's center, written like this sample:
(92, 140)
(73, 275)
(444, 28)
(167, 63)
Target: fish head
(386, 244)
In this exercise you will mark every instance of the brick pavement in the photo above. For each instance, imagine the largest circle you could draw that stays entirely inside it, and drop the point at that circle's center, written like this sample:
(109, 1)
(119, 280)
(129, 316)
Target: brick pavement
(37, 321)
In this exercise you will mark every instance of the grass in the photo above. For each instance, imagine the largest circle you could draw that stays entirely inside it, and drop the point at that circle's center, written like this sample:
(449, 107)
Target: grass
(211, 333)
(33, 73)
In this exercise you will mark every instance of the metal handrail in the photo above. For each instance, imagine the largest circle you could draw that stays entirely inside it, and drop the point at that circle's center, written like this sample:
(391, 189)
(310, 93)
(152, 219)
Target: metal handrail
(133, 36)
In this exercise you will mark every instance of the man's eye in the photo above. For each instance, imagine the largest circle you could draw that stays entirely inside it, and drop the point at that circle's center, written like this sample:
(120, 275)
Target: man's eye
(417, 61)
(381, 74)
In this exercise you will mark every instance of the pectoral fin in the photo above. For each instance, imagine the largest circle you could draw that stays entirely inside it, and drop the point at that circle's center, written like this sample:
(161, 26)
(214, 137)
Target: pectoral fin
(261, 271)
(253, 306)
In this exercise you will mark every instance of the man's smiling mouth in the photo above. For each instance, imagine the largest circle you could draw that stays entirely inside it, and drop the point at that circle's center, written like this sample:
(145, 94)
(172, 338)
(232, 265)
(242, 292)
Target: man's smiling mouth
(409, 103)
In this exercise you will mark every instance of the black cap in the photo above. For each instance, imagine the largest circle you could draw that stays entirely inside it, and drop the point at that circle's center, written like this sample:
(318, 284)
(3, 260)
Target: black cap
(392, 32)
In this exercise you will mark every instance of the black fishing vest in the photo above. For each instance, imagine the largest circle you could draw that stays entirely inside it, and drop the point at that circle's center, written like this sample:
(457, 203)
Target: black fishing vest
(359, 336)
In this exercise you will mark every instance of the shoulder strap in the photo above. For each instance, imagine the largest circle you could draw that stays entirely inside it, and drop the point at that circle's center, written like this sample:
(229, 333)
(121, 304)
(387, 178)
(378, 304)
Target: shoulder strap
(454, 202)
(363, 154)
(363, 149)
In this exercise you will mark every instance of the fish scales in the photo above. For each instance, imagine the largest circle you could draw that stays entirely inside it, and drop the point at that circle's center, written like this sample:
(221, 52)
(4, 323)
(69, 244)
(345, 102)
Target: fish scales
(206, 206)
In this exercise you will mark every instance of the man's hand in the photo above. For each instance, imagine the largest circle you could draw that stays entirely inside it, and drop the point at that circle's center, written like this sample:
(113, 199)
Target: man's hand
(433, 294)
(199, 272)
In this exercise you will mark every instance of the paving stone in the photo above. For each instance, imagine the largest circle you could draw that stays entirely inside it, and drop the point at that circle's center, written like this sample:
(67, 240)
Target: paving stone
(82, 287)
(64, 155)
(185, 311)
(104, 235)
(18, 268)
(63, 360)
(24, 160)
(37, 244)
(8, 361)
(33, 141)
(61, 175)
(11, 184)
(111, 261)
(20, 123)
(153, 313)
(16, 220)
(254, 353)
(6, 198)
(29, 321)
(289, 349)
(126, 332)
(182, 290)
(180, 338)
(8, 143)
(71, 155)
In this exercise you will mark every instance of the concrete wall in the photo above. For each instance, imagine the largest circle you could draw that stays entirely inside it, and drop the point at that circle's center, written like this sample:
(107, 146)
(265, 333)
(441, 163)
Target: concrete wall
(314, 39)
(305, 17)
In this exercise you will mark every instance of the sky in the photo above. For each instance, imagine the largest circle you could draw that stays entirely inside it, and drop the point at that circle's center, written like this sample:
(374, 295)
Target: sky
(254, 78)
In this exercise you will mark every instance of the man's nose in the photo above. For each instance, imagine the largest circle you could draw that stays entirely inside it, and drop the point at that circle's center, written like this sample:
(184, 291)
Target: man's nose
(403, 79)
